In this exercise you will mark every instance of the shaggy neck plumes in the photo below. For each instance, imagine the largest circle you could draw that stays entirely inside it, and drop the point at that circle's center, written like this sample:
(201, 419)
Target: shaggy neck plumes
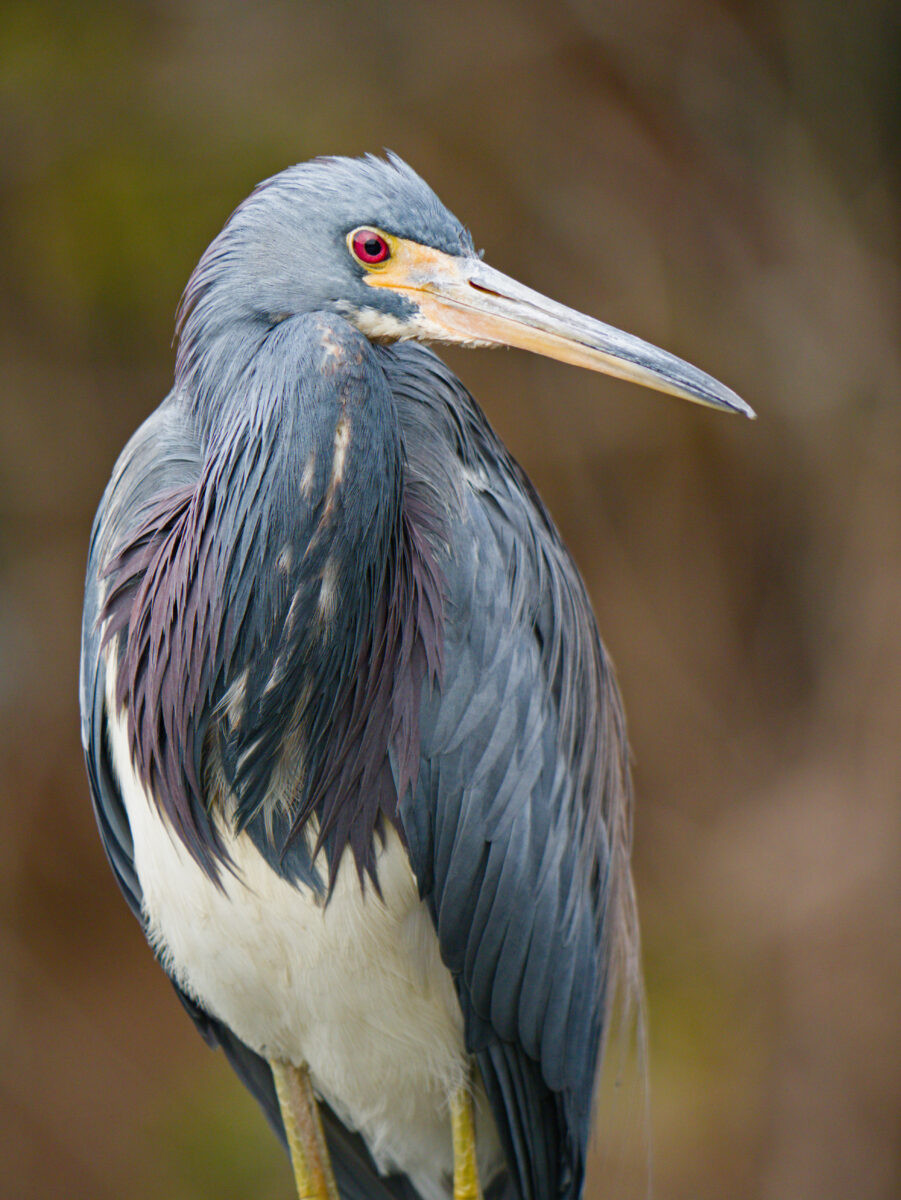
(267, 588)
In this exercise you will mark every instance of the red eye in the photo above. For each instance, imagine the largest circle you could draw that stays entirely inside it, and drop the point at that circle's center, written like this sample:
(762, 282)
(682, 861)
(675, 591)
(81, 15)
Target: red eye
(369, 246)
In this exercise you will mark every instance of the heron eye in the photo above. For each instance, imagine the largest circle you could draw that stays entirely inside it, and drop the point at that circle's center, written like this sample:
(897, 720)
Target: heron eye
(369, 246)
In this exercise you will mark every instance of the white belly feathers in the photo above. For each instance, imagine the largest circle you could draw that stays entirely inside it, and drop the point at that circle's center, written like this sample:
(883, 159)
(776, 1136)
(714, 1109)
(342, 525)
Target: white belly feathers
(356, 989)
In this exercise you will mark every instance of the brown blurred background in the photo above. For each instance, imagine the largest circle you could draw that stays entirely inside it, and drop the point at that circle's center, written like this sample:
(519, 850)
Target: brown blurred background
(719, 177)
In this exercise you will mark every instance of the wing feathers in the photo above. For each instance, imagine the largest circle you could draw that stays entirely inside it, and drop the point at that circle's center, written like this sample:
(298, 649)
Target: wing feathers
(522, 789)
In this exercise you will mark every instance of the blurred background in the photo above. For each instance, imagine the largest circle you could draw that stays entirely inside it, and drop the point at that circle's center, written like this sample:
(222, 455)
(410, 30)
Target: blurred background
(718, 176)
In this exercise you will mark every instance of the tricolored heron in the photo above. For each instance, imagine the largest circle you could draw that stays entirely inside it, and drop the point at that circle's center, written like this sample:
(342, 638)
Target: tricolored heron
(355, 748)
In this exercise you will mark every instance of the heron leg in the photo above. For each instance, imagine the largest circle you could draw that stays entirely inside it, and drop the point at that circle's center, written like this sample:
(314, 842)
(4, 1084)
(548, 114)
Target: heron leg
(463, 1131)
(303, 1129)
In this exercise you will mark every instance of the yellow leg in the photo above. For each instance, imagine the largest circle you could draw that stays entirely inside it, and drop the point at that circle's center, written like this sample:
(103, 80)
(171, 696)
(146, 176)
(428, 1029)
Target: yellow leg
(466, 1171)
(303, 1127)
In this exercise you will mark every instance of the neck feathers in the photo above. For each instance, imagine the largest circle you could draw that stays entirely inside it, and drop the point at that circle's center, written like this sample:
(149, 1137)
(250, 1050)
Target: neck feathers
(276, 622)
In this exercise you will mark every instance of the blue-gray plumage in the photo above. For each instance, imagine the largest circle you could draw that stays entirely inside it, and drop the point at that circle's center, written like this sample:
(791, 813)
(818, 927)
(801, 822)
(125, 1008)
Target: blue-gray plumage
(326, 614)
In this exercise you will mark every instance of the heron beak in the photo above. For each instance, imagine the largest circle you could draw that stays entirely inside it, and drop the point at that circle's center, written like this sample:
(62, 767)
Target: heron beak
(461, 299)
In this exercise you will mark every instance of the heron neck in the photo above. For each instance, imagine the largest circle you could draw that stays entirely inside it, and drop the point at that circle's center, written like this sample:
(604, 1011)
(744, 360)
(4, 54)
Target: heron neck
(272, 578)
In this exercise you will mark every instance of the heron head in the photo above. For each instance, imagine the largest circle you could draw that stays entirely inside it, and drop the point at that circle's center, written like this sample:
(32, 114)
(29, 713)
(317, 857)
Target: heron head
(368, 239)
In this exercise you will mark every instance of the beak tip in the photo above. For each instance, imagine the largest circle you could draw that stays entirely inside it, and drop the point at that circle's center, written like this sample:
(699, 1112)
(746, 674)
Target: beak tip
(746, 410)
(732, 402)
